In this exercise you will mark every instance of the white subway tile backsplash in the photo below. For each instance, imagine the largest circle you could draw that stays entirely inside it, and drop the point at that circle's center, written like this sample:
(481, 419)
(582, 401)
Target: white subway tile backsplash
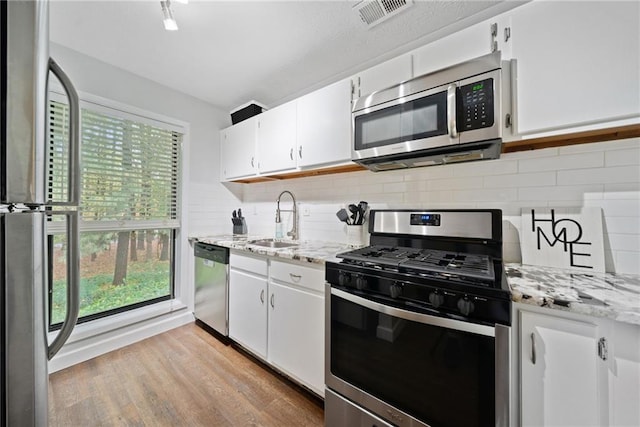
(622, 157)
(491, 167)
(558, 163)
(454, 184)
(571, 192)
(627, 190)
(482, 195)
(623, 225)
(625, 242)
(606, 175)
(627, 262)
(609, 175)
(427, 174)
(435, 197)
(520, 180)
(616, 208)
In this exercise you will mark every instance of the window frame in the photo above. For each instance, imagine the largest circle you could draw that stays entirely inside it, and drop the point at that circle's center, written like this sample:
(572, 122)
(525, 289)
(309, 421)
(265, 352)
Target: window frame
(178, 299)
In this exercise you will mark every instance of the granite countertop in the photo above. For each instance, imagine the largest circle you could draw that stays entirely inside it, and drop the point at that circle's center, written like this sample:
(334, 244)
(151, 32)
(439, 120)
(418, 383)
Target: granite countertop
(609, 295)
(311, 251)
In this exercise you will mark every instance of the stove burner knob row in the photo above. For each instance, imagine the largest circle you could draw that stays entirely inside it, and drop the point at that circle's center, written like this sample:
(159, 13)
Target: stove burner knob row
(465, 305)
(344, 278)
(436, 299)
(361, 283)
(395, 290)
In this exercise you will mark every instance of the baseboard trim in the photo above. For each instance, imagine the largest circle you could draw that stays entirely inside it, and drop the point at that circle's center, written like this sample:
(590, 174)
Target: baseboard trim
(83, 350)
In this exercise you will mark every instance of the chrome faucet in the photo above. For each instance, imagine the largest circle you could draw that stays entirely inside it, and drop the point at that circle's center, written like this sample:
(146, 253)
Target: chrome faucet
(294, 230)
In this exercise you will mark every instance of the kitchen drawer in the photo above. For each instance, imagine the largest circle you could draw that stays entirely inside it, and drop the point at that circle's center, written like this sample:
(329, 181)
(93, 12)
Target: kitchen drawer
(299, 275)
(248, 263)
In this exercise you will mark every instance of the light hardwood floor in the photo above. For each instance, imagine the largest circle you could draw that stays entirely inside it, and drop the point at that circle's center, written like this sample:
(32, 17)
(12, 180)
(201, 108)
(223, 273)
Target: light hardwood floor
(184, 377)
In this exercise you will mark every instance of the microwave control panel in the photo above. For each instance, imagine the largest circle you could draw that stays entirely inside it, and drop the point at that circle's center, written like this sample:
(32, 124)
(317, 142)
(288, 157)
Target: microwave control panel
(475, 105)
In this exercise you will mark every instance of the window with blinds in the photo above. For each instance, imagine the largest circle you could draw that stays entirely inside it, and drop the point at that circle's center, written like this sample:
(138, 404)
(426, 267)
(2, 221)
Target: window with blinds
(129, 209)
(129, 169)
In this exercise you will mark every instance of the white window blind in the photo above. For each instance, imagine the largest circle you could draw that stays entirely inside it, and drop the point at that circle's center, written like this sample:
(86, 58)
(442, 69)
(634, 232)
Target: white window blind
(129, 170)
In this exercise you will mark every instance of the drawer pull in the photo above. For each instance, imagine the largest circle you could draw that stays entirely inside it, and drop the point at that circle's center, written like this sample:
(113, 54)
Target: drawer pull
(295, 277)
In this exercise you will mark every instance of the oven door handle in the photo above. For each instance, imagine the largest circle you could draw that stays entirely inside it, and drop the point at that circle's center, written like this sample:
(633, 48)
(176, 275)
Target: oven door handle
(458, 325)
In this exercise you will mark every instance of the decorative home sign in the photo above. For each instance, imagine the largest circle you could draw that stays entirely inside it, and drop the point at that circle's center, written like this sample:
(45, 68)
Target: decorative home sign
(563, 237)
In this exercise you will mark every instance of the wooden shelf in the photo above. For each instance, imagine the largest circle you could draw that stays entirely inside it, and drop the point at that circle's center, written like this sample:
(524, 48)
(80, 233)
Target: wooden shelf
(600, 135)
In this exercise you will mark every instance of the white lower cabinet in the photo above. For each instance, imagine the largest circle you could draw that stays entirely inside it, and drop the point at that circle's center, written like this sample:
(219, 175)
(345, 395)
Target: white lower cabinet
(248, 303)
(276, 311)
(577, 370)
(296, 334)
(624, 375)
(559, 371)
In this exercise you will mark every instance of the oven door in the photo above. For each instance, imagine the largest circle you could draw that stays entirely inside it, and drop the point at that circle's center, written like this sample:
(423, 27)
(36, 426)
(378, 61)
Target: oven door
(413, 369)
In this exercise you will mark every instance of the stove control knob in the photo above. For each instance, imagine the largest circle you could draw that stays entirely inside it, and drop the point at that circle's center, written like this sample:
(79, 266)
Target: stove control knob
(395, 290)
(344, 278)
(436, 299)
(361, 283)
(465, 305)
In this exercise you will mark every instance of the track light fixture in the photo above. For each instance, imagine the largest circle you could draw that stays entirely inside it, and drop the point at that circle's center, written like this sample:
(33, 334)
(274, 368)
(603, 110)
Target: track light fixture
(169, 21)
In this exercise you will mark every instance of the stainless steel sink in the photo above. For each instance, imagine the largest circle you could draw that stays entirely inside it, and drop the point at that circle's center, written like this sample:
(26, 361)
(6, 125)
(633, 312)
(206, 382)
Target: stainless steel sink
(271, 243)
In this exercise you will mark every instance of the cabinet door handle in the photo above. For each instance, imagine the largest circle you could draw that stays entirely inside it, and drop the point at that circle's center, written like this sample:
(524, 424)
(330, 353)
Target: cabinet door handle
(252, 162)
(602, 349)
(533, 348)
(300, 151)
(295, 277)
(262, 296)
(272, 301)
(291, 154)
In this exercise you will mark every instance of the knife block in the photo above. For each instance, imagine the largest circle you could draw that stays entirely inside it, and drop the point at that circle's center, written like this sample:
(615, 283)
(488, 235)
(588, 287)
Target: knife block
(240, 227)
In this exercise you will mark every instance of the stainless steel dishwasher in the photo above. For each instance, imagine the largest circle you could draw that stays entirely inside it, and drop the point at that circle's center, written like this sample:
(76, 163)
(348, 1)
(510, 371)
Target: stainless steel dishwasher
(212, 286)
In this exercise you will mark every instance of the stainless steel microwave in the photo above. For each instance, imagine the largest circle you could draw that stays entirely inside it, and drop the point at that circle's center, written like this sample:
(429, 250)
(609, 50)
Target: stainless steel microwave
(452, 115)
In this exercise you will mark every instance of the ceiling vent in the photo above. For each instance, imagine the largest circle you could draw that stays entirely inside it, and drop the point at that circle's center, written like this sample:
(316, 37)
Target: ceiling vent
(373, 12)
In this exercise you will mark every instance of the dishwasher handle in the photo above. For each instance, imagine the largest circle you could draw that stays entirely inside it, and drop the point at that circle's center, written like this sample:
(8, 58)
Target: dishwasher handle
(214, 253)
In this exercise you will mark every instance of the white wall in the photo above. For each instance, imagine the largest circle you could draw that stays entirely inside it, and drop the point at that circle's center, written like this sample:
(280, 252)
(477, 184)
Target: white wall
(204, 196)
(605, 175)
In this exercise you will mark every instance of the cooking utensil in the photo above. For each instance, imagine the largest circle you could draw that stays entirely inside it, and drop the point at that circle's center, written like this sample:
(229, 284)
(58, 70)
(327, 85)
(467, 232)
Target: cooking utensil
(240, 213)
(234, 214)
(343, 216)
(354, 213)
(363, 210)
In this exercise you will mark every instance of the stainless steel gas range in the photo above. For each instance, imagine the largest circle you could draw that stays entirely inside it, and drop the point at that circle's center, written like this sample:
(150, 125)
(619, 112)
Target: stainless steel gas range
(418, 323)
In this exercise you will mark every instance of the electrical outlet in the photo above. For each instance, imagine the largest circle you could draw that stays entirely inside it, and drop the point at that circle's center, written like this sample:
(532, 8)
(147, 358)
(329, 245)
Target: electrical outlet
(306, 211)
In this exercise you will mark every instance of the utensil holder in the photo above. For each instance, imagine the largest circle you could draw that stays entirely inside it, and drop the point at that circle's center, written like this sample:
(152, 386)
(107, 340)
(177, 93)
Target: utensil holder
(355, 235)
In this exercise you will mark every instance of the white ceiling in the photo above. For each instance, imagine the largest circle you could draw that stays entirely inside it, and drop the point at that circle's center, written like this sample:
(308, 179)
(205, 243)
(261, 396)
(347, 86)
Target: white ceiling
(230, 52)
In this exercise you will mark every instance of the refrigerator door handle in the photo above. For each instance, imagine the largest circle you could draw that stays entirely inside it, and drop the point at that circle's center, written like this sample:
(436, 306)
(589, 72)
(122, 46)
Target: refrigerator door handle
(73, 283)
(73, 180)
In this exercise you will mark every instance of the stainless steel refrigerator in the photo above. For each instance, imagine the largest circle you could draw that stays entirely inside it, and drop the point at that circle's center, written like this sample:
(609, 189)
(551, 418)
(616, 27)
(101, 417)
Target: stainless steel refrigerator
(24, 210)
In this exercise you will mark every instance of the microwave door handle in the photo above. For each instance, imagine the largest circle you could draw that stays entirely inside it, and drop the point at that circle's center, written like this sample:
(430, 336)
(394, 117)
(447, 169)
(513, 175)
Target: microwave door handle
(451, 112)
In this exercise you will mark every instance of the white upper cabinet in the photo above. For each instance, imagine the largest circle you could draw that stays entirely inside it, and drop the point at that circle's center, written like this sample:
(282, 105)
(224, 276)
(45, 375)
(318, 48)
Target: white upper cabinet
(276, 141)
(324, 125)
(578, 64)
(462, 46)
(238, 150)
(384, 75)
